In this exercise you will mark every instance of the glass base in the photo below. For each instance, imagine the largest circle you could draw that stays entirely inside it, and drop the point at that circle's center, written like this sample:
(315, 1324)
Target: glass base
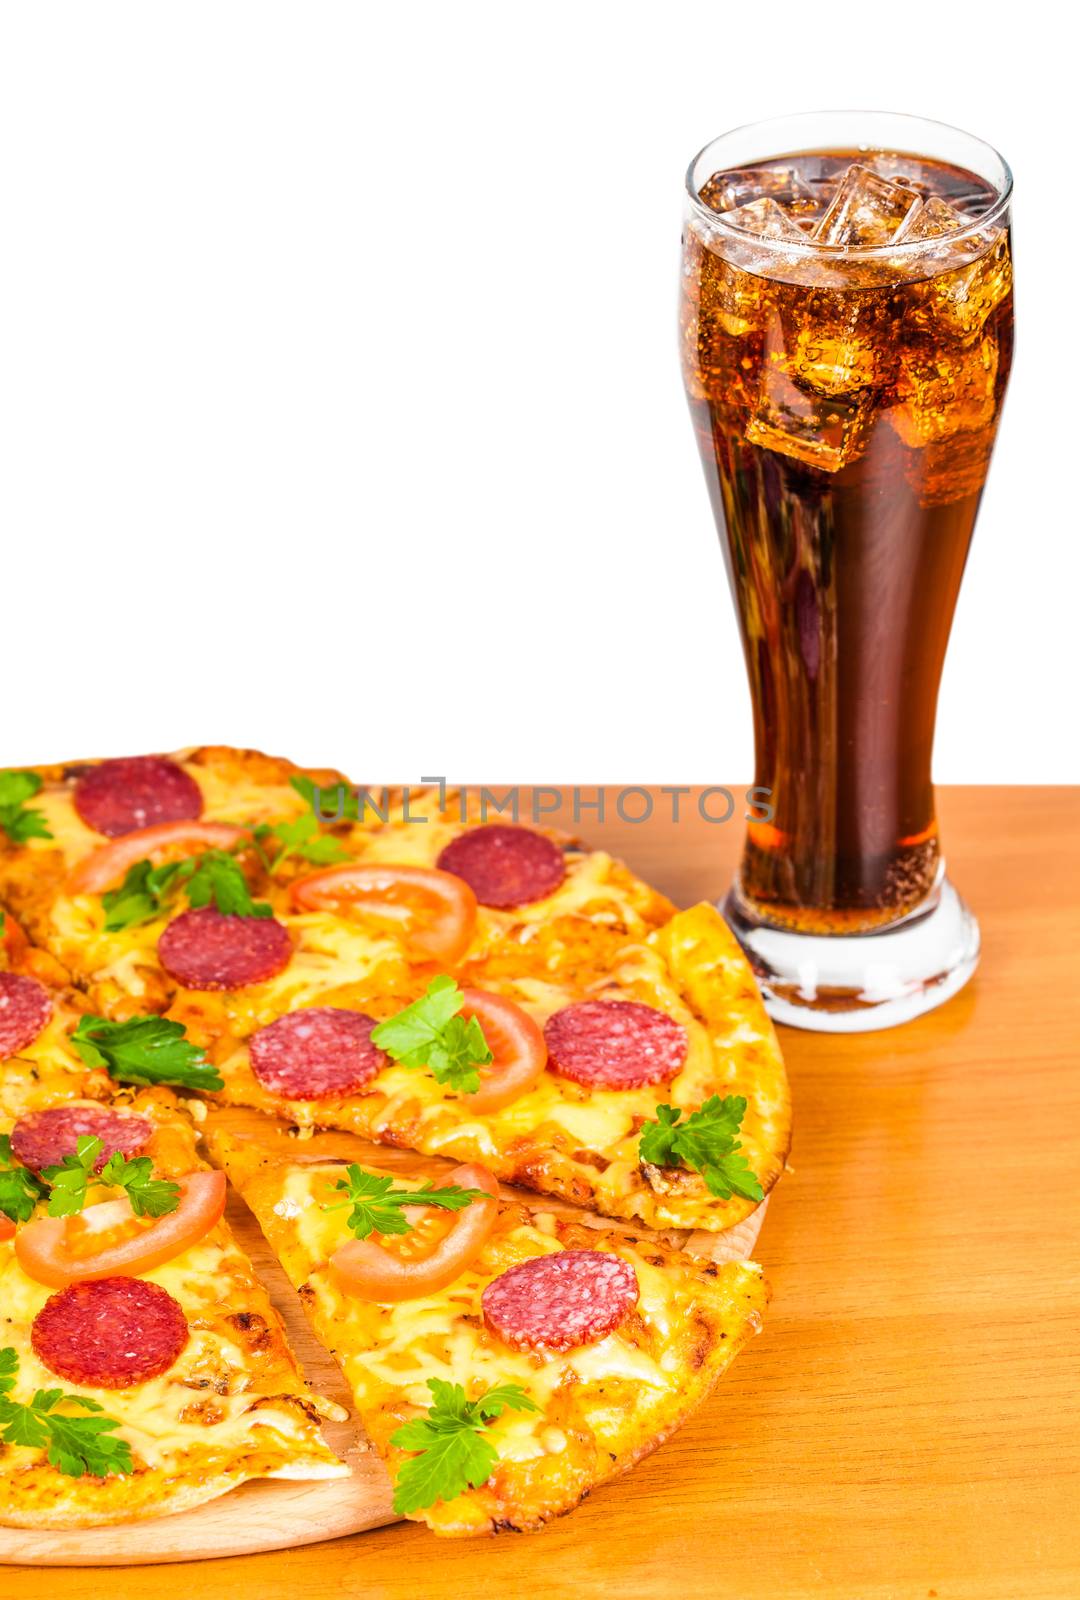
(840, 983)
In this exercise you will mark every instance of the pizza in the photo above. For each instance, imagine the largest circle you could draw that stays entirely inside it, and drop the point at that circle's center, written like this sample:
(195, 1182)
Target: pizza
(184, 888)
(143, 1369)
(523, 1359)
(185, 935)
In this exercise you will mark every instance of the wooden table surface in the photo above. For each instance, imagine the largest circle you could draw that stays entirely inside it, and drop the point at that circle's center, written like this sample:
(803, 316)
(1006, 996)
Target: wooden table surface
(907, 1425)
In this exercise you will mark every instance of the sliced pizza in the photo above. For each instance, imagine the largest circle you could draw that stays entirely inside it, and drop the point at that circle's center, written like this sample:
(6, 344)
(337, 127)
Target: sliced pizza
(143, 1369)
(505, 1359)
(621, 1054)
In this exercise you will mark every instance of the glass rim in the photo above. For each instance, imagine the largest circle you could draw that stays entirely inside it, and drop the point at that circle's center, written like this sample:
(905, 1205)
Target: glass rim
(807, 247)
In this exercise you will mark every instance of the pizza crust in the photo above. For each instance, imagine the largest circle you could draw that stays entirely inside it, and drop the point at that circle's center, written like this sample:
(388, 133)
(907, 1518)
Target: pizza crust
(40, 1497)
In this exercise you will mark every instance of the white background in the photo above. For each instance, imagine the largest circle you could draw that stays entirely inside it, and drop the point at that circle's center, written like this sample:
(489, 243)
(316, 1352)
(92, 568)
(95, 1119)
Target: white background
(341, 412)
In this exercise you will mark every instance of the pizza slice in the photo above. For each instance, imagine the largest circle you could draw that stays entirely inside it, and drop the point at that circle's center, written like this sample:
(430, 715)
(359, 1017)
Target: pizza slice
(505, 1360)
(143, 1369)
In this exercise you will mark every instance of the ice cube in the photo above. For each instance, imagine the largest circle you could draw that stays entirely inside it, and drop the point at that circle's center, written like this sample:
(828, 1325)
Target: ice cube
(833, 360)
(723, 314)
(765, 218)
(839, 343)
(944, 390)
(741, 300)
(933, 219)
(724, 191)
(866, 210)
(825, 432)
(906, 170)
(951, 469)
(959, 301)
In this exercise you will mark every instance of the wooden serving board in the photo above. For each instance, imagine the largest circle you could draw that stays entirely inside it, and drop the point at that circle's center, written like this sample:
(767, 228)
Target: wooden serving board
(275, 1515)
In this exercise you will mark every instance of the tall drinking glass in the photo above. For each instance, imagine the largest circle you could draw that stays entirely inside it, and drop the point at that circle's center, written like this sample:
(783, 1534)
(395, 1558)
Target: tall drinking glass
(846, 324)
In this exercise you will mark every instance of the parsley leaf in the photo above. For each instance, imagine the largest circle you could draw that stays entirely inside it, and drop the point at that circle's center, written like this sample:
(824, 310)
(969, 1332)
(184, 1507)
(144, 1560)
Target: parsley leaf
(431, 1034)
(300, 838)
(303, 836)
(74, 1444)
(453, 1454)
(707, 1142)
(145, 1050)
(149, 1196)
(143, 894)
(377, 1207)
(70, 1179)
(214, 878)
(218, 879)
(20, 1190)
(19, 821)
(339, 796)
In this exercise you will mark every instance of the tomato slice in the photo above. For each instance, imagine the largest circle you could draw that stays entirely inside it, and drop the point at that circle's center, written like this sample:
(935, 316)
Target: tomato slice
(435, 910)
(7, 1227)
(108, 1239)
(516, 1042)
(369, 1271)
(105, 866)
(12, 939)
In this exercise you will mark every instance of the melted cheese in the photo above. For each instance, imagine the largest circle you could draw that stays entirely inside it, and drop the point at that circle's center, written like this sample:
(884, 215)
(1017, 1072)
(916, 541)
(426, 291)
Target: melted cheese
(328, 952)
(150, 1415)
(69, 833)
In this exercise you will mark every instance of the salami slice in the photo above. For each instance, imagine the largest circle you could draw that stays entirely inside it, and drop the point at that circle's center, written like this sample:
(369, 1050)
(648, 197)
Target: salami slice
(556, 1302)
(43, 1138)
(109, 1333)
(316, 1054)
(135, 792)
(505, 866)
(25, 1009)
(208, 949)
(615, 1044)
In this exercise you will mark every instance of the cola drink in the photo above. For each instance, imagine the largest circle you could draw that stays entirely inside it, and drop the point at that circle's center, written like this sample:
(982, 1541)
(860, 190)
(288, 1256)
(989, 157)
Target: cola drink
(846, 326)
